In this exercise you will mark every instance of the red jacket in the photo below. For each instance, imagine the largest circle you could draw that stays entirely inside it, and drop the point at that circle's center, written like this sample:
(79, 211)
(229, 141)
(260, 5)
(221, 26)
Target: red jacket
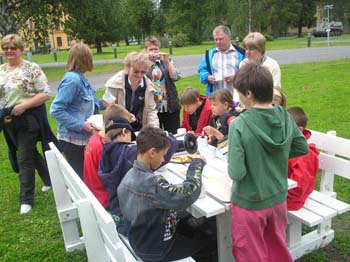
(204, 118)
(92, 156)
(304, 171)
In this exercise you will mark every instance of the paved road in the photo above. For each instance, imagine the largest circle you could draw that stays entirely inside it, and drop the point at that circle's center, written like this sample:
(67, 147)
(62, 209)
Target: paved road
(187, 65)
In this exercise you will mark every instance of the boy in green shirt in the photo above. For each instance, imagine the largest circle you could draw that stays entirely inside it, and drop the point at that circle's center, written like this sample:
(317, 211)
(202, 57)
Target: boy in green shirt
(261, 140)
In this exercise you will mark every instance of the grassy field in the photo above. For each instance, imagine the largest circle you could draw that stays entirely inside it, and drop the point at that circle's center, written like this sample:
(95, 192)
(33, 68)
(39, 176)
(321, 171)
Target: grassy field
(320, 88)
(122, 50)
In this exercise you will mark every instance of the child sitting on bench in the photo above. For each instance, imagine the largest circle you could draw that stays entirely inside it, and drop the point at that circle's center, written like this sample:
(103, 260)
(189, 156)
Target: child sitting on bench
(117, 158)
(152, 206)
(302, 169)
(223, 111)
(196, 111)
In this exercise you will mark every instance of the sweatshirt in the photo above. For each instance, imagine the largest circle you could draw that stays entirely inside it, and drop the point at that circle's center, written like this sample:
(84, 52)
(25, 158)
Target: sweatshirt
(260, 142)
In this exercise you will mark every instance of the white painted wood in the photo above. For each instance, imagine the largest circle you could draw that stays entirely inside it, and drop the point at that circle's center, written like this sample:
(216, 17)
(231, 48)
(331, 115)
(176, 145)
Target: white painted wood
(307, 217)
(223, 226)
(320, 209)
(330, 202)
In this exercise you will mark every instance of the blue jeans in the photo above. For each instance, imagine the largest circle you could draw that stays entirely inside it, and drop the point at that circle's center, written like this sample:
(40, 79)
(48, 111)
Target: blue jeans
(25, 138)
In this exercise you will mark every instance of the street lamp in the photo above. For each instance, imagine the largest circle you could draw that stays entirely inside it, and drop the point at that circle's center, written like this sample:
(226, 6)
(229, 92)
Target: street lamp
(328, 25)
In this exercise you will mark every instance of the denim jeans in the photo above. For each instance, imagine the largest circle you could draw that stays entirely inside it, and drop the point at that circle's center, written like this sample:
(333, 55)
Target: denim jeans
(28, 158)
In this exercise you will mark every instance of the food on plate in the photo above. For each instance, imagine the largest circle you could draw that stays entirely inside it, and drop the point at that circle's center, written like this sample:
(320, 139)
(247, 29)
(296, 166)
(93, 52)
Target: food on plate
(186, 158)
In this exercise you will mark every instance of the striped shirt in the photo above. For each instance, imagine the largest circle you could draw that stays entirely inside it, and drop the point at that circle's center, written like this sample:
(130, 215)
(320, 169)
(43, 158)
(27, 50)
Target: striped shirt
(225, 64)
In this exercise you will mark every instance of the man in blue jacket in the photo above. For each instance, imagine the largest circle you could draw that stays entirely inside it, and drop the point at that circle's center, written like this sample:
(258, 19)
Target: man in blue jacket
(219, 65)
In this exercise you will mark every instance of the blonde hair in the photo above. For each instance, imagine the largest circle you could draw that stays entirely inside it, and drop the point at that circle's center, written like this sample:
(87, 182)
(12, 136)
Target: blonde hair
(80, 58)
(136, 59)
(14, 39)
(255, 40)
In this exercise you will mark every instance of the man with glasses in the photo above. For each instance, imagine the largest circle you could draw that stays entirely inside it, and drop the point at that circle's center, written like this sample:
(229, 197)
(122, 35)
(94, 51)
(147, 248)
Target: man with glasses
(220, 64)
(134, 91)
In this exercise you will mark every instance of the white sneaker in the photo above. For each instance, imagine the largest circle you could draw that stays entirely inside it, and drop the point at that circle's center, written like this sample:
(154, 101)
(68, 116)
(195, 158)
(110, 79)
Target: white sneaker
(25, 209)
(45, 188)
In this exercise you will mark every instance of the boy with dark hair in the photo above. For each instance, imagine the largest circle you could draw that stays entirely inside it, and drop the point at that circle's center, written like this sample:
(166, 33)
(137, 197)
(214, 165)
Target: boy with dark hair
(261, 139)
(152, 206)
(196, 111)
(302, 169)
(117, 158)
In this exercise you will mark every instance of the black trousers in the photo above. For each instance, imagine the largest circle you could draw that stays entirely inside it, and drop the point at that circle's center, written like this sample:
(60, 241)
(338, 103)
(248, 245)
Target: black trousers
(25, 137)
(169, 121)
(74, 155)
(198, 242)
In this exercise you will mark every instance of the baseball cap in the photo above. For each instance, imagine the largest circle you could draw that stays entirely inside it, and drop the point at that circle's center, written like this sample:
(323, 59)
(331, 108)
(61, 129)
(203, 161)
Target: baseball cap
(120, 122)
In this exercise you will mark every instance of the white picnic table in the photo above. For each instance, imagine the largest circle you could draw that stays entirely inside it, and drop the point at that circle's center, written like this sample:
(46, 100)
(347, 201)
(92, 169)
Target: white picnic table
(216, 200)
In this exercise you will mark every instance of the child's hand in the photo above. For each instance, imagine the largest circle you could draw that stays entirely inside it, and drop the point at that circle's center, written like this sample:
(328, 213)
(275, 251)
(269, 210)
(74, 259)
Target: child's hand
(208, 130)
(198, 156)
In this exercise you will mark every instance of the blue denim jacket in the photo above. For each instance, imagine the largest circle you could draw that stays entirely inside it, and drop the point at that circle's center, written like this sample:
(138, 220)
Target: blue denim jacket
(74, 103)
(151, 206)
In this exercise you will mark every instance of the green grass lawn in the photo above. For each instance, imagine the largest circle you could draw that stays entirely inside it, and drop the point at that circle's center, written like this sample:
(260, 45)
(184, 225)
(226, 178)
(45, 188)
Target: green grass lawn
(320, 88)
(122, 50)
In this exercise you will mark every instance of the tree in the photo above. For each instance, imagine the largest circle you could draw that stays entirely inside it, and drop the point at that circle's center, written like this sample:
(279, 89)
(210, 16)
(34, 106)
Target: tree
(139, 16)
(185, 17)
(34, 17)
(306, 10)
(94, 21)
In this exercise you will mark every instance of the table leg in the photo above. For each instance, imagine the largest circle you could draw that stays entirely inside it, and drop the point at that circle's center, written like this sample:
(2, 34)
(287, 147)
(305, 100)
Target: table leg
(223, 225)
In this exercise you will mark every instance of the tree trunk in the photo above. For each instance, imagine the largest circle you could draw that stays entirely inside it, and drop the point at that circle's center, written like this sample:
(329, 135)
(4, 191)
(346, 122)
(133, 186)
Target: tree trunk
(300, 31)
(99, 47)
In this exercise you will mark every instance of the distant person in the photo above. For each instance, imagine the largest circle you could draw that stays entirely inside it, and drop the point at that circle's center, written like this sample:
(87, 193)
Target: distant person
(219, 65)
(223, 111)
(279, 97)
(93, 151)
(302, 169)
(196, 111)
(152, 206)
(255, 46)
(134, 91)
(261, 140)
(24, 89)
(118, 156)
(164, 74)
(74, 103)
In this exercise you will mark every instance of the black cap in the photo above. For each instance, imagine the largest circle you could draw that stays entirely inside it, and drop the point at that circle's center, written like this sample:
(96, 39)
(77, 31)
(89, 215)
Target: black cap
(119, 122)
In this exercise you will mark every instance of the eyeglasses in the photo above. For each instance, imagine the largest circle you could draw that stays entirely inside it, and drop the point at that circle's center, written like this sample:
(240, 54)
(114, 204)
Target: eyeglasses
(7, 48)
(136, 72)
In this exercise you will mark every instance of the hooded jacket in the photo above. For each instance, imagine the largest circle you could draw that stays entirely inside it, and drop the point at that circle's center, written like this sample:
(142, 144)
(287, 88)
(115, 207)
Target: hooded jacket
(116, 160)
(304, 171)
(260, 143)
(152, 207)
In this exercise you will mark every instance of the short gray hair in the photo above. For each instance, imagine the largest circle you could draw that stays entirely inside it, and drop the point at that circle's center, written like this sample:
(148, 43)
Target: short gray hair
(222, 28)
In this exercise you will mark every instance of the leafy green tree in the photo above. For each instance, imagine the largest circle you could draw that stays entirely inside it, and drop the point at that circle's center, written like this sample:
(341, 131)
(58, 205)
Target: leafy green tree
(94, 21)
(185, 16)
(139, 18)
(306, 10)
(35, 17)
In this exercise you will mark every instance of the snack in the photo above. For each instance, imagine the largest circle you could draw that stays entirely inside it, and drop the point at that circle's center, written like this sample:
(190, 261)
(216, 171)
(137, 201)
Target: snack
(181, 159)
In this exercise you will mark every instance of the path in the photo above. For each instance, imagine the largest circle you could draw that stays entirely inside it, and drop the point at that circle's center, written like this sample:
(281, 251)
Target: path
(187, 65)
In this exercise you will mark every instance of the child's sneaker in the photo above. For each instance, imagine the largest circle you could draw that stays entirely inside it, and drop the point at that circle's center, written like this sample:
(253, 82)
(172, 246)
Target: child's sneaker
(45, 188)
(25, 209)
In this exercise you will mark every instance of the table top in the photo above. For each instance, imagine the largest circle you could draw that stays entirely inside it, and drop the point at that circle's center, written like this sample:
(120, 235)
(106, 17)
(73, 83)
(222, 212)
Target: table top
(216, 180)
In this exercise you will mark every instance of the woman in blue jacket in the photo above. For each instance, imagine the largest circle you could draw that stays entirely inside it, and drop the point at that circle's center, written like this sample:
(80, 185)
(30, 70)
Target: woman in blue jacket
(74, 103)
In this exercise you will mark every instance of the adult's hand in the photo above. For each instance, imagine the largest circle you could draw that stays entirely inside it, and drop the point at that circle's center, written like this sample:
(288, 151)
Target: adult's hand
(18, 109)
(211, 79)
(229, 78)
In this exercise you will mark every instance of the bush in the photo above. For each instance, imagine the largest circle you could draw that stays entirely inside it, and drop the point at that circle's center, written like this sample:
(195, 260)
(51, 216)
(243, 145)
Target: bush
(268, 37)
(180, 40)
(163, 41)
